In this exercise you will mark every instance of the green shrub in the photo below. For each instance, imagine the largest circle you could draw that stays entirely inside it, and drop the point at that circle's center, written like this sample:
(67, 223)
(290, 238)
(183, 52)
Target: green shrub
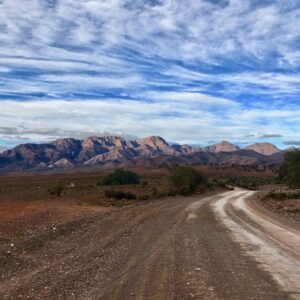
(185, 179)
(250, 183)
(220, 184)
(121, 177)
(4, 241)
(282, 196)
(289, 171)
(171, 193)
(119, 195)
(56, 189)
(143, 197)
(154, 191)
(118, 204)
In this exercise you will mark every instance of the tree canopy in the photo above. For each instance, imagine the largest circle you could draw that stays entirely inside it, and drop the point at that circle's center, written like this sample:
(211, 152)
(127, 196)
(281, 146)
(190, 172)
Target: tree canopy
(184, 179)
(120, 177)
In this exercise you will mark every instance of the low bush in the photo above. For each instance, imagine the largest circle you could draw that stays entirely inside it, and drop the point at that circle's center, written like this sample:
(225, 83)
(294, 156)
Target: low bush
(4, 241)
(143, 197)
(282, 196)
(250, 183)
(154, 191)
(119, 195)
(56, 189)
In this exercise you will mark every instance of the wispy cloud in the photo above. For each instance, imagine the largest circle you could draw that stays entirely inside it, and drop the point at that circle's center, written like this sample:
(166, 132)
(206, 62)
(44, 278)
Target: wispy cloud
(268, 136)
(292, 143)
(207, 69)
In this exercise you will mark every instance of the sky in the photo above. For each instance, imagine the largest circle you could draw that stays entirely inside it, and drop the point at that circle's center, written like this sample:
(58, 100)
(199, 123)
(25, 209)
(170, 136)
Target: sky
(192, 71)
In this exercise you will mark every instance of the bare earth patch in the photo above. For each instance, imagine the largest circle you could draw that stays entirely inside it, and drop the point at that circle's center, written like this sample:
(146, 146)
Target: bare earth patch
(18, 217)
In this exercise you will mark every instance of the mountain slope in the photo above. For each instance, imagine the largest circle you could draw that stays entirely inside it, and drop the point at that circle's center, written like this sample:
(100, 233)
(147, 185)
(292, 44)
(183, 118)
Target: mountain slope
(264, 148)
(111, 151)
(224, 146)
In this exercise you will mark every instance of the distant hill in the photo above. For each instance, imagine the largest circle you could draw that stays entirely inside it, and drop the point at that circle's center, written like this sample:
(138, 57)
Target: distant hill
(113, 151)
(264, 148)
(224, 146)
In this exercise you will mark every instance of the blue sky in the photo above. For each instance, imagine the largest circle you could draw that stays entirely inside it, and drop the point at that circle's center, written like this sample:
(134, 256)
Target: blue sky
(193, 71)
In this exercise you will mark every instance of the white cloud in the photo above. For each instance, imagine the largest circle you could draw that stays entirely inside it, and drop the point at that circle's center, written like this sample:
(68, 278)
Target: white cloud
(179, 122)
(174, 54)
(189, 30)
(193, 97)
(88, 81)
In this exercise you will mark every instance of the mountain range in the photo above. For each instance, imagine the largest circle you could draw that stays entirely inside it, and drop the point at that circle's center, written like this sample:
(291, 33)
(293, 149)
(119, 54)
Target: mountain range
(113, 151)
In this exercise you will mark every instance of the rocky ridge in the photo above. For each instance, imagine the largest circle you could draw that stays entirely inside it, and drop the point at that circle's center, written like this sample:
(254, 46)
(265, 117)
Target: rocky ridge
(112, 151)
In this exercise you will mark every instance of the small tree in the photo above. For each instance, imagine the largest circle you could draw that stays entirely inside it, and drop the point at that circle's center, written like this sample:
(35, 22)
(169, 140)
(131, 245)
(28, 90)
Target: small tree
(120, 177)
(289, 171)
(185, 179)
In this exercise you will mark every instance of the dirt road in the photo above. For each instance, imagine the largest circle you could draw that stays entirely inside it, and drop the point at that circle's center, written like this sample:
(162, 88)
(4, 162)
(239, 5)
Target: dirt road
(219, 247)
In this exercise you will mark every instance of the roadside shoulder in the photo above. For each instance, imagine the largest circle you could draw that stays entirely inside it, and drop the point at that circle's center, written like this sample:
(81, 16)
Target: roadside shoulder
(256, 204)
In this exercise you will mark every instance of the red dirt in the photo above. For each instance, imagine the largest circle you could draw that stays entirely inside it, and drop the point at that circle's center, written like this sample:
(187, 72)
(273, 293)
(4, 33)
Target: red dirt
(17, 217)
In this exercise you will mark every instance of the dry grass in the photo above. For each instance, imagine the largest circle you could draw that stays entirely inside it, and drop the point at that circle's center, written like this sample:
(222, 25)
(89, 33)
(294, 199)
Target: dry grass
(283, 201)
(25, 201)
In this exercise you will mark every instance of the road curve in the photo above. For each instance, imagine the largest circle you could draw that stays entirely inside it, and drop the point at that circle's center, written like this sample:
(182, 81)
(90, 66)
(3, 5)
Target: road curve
(215, 247)
(273, 244)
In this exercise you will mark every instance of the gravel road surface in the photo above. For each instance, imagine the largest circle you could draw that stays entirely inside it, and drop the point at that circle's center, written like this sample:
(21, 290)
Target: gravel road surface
(222, 246)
